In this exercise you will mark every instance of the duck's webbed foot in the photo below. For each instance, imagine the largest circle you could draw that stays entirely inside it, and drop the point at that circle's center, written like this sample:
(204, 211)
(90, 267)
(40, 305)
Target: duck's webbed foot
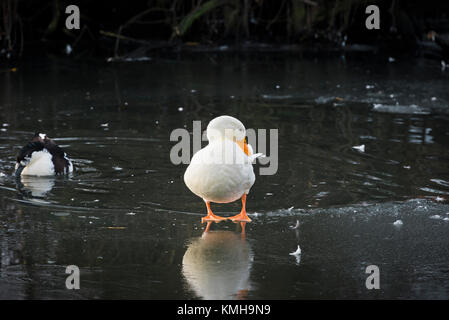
(211, 216)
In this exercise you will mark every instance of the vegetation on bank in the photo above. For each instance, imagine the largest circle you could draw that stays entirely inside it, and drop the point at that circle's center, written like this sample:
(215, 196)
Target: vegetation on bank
(112, 28)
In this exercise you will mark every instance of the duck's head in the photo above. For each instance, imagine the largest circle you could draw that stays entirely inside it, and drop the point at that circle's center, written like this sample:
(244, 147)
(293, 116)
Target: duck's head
(40, 137)
(227, 127)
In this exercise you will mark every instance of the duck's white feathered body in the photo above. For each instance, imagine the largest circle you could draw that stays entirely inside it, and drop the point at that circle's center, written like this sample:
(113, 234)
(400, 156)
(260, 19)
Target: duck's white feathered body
(221, 172)
(40, 164)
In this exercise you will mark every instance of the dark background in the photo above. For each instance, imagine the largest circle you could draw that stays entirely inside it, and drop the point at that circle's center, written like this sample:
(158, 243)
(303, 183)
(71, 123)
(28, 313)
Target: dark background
(141, 28)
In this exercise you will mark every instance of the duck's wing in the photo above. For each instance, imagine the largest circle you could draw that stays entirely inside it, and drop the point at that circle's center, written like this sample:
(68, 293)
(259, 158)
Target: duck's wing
(25, 153)
(59, 157)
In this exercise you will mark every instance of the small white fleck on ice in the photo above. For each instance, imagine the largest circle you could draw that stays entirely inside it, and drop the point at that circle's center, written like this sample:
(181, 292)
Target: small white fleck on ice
(360, 148)
(68, 49)
(296, 226)
(297, 252)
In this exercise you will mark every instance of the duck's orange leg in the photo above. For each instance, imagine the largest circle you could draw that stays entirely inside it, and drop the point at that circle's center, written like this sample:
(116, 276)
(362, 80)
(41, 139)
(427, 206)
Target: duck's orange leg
(242, 216)
(210, 215)
(207, 227)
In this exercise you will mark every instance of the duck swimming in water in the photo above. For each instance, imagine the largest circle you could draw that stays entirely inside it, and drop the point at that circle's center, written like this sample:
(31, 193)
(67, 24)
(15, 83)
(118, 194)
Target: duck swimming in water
(42, 157)
(222, 172)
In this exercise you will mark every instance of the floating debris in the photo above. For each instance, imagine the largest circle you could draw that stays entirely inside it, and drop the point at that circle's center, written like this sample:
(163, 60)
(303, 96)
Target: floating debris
(127, 59)
(391, 59)
(398, 223)
(323, 100)
(360, 148)
(436, 217)
(276, 97)
(104, 125)
(411, 109)
(439, 199)
(61, 214)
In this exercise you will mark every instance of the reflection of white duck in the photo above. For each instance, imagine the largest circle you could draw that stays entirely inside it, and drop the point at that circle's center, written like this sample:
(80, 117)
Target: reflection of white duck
(217, 266)
(222, 172)
(37, 186)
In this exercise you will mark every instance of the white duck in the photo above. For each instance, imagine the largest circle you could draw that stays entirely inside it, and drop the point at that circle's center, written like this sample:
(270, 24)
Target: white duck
(222, 172)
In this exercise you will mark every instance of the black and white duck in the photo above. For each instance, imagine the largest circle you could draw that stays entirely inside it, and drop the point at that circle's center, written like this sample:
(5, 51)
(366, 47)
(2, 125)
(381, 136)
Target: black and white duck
(42, 157)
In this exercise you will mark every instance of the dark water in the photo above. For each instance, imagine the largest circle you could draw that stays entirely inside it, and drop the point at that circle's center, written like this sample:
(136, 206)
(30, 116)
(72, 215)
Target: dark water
(127, 220)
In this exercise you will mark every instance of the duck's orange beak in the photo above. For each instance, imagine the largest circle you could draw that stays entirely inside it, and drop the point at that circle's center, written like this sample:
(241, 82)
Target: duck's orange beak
(244, 146)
